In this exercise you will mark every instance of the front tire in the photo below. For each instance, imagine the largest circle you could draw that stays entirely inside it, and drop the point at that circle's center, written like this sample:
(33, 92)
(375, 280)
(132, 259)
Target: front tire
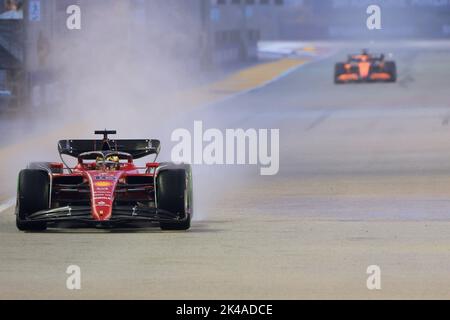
(175, 194)
(339, 69)
(391, 68)
(32, 196)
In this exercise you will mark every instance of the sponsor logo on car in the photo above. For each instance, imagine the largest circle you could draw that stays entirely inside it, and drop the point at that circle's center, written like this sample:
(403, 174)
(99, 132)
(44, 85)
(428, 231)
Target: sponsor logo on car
(102, 177)
(103, 184)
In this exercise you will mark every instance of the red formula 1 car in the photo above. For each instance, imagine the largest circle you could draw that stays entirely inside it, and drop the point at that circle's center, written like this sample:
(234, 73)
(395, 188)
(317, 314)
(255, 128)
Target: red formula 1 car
(105, 189)
(365, 67)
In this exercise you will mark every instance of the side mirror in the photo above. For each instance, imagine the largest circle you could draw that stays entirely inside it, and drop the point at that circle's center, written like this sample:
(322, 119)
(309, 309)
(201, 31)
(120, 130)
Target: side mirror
(56, 165)
(150, 166)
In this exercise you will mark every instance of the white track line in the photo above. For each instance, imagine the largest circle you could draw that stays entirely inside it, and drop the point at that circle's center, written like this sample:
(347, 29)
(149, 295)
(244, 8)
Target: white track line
(7, 204)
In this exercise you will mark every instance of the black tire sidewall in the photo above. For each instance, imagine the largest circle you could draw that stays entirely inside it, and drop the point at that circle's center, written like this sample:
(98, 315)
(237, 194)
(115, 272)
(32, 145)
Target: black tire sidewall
(33, 192)
(338, 70)
(391, 68)
(174, 194)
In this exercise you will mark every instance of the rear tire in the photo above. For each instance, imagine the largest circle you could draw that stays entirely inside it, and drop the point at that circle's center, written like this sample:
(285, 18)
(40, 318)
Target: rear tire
(391, 68)
(174, 194)
(339, 69)
(32, 196)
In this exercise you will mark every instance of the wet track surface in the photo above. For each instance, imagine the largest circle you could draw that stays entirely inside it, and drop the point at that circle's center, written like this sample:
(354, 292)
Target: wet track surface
(364, 179)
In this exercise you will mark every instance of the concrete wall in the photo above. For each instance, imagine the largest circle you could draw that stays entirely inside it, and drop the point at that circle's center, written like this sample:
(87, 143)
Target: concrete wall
(236, 26)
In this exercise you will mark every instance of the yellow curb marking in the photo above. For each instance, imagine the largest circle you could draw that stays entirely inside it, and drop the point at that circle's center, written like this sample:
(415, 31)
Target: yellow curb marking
(241, 81)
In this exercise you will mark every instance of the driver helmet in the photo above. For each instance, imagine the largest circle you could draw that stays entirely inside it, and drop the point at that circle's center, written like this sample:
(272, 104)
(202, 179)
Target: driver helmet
(111, 162)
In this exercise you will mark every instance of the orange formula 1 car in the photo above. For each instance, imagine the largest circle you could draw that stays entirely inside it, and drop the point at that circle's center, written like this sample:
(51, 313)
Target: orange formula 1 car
(365, 67)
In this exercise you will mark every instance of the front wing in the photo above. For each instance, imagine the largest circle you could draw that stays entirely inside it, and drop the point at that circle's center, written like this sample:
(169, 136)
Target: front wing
(120, 215)
(354, 77)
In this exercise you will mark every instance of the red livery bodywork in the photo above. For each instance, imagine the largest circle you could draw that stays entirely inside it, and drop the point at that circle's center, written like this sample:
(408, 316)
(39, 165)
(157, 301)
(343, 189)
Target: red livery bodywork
(105, 188)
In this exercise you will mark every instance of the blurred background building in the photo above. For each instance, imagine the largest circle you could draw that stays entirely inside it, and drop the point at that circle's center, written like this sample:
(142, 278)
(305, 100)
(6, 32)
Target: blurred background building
(203, 33)
(208, 33)
(346, 19)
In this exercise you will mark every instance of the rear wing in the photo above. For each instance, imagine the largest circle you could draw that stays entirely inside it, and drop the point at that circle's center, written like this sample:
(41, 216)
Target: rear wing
(137, 148)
